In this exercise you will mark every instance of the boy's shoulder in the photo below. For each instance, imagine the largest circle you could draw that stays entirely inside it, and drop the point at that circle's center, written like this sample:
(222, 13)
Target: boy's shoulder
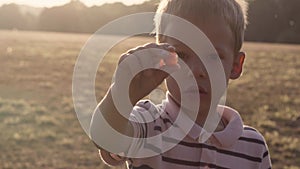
(147, 111)
(247, 133)
(256, 142)
(146, 104)
(251, 134)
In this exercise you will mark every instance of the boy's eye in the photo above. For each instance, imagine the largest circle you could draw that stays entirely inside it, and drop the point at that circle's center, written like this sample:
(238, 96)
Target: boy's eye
(215, 57)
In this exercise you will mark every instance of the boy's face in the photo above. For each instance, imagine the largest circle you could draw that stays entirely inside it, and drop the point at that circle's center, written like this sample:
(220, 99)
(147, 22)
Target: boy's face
(221, 36)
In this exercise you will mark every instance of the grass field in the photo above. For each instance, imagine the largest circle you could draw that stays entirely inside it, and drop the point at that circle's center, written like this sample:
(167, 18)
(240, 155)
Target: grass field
(39, 128)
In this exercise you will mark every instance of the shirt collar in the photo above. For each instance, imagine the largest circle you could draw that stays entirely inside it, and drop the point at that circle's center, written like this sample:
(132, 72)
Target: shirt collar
(225, 138)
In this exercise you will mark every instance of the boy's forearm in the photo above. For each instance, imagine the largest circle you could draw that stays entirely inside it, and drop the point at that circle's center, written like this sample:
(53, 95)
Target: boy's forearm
(107, 120)
(108, 125)
(113, 117)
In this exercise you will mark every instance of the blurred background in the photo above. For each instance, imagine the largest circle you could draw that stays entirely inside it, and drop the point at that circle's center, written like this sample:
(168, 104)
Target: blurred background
(41, 40)
(269, 20)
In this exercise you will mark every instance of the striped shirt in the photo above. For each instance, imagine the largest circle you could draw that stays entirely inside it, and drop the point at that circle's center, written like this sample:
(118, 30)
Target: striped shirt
(237, 146)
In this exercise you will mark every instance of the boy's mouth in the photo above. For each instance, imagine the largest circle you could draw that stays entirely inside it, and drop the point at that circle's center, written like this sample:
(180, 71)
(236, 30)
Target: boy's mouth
(202, 90)
(197, 89)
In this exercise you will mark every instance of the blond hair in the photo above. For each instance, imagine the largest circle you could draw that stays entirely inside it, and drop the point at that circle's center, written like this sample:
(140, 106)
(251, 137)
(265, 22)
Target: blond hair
(234, 13)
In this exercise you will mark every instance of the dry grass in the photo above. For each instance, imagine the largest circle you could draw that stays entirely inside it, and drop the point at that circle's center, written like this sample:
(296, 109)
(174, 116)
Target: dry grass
(39, 128)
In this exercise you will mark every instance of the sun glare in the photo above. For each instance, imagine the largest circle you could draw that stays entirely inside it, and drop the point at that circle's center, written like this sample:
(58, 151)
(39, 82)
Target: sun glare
(51, 3)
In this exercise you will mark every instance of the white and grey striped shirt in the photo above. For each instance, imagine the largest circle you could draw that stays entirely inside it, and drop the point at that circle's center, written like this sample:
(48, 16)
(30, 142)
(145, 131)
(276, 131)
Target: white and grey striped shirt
(236, 147)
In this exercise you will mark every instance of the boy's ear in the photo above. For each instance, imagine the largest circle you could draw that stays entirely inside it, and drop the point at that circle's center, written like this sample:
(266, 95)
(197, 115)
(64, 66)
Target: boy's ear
(237, 67)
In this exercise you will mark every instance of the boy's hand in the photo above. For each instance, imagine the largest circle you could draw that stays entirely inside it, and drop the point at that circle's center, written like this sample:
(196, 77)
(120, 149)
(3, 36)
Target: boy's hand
(146, 66)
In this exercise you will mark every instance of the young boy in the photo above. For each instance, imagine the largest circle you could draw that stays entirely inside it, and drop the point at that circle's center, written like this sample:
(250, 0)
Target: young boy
(231, 145)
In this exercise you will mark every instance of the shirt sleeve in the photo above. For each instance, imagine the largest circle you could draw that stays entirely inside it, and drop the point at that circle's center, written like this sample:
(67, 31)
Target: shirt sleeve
(139, 118)
(266, 159)
(262, 150)
(111, 159)
(265, 154)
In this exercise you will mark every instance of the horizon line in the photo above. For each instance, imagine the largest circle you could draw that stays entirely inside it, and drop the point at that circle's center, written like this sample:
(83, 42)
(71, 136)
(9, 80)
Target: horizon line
(62, 4)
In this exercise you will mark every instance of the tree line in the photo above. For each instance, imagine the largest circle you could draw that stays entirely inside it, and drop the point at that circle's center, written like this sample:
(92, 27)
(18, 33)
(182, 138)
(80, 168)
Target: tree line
(269, 20)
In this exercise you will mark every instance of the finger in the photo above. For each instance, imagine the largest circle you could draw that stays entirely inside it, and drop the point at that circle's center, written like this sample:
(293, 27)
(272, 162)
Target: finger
(167, 58)
(172, 59)
(122, 57)
(164, 46)
(150, 55)
(128, 67)
(171, 49)
(169, 52)
(171, 68)
(167, 47)
(151, 45)
(155, 58)
(158, 75)
(133, 50)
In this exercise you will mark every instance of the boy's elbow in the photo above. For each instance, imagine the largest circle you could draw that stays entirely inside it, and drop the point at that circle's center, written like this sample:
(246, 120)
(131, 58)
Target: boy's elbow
(92, 136)
(94, 132)
(104, 136)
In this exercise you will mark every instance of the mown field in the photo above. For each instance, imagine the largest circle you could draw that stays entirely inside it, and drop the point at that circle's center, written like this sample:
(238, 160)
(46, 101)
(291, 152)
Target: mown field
(38, 124)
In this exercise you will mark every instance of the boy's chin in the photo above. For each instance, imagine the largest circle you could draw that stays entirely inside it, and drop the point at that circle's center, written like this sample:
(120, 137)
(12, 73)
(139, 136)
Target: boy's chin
(191, 100)
(197, 105)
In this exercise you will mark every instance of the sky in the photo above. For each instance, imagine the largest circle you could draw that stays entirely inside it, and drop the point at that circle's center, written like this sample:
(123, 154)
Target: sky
(51, 3)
